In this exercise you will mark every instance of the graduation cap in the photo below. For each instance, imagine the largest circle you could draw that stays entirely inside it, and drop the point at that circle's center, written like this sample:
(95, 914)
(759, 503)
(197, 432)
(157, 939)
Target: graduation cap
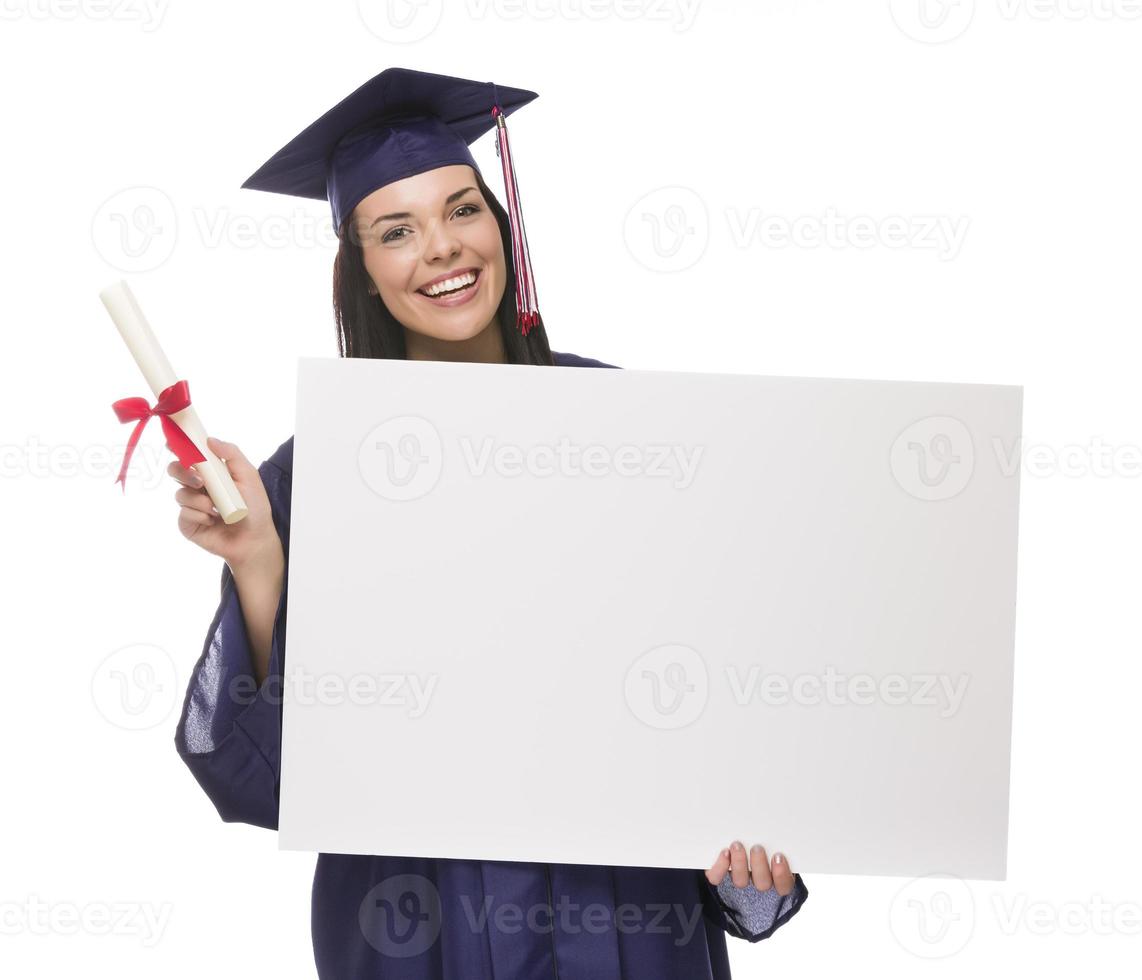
(401, 123)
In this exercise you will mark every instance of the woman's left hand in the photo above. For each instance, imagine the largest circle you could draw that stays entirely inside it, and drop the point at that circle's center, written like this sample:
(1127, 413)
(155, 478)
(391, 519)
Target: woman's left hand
(764, 874)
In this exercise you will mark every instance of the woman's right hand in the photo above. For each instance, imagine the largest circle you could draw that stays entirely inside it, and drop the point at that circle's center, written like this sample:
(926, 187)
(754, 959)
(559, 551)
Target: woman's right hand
(250, 541)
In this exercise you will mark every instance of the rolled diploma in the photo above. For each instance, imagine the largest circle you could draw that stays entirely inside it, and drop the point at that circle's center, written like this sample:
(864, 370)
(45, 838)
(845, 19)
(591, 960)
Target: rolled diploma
(136, 333)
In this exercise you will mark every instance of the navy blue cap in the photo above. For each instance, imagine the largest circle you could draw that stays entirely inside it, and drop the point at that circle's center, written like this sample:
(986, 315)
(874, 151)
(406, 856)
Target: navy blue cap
(399, 123)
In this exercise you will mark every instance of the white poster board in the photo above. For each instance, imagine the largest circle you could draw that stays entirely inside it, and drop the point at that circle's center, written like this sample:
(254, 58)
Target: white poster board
(624, 617)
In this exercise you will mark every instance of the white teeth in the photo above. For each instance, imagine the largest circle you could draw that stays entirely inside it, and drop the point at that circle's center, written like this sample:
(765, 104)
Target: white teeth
(442, 287)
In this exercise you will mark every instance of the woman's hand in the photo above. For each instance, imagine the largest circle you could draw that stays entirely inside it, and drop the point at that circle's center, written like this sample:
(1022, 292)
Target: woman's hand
(765, 875)
(250, 541)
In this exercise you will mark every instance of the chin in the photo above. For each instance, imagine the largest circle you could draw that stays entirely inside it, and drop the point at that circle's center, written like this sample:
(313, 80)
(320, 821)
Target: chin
(458, 328)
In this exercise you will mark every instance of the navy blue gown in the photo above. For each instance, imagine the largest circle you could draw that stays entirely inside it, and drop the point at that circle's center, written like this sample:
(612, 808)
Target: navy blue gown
(444, 919)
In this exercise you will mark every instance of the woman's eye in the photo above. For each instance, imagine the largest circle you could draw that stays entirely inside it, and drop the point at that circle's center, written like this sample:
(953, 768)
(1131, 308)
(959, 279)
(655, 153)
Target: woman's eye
(392, 236)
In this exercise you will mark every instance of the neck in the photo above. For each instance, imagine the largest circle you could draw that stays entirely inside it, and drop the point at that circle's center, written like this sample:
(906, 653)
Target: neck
(487, 347)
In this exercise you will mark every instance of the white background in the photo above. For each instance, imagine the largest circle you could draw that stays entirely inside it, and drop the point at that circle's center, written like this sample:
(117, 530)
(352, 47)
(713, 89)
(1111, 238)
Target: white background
(1014, 122)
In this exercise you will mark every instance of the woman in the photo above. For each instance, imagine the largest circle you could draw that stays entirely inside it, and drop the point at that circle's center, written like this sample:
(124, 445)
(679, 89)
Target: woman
(426, 254)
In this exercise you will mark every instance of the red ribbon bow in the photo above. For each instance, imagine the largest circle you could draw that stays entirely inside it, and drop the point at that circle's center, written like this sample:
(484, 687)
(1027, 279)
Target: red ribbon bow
(171, 400)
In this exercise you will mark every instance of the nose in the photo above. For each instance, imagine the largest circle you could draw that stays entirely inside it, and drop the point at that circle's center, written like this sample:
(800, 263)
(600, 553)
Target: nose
(440, 242)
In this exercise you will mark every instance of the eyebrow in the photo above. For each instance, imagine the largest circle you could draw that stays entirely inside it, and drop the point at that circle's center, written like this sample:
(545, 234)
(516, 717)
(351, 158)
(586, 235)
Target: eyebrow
(405, 214)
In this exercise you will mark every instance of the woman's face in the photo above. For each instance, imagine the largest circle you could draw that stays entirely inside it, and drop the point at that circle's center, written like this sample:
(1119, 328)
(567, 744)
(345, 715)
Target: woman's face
(432, 226)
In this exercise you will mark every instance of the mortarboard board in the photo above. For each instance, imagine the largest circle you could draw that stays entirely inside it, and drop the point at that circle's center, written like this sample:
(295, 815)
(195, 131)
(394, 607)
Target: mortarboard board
(401, 123)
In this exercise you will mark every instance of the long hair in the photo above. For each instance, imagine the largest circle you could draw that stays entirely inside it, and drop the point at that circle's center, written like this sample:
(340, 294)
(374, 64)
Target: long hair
(366, 328)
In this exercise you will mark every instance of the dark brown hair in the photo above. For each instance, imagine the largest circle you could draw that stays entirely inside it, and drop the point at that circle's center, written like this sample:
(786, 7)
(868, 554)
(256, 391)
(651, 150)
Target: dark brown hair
(366, 328)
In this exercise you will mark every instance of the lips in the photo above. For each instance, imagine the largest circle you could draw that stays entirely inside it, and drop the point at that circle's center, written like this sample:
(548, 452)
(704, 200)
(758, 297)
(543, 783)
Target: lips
(458, 297)
(448, 275)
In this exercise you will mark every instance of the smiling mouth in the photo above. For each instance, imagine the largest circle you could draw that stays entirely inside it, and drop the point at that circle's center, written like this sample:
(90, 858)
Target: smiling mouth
(458, 290)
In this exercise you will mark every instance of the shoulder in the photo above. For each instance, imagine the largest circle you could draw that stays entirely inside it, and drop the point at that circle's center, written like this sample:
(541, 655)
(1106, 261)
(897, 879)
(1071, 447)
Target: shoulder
(282, 458)
(574, 360)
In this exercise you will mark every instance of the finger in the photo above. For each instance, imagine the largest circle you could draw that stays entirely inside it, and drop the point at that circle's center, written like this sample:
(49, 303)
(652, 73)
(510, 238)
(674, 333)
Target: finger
(195, 500)
(782, 874)
(188, 478)
(759, 869)
(236, 461)
(192, 516)
(739, 869)
(719, 868)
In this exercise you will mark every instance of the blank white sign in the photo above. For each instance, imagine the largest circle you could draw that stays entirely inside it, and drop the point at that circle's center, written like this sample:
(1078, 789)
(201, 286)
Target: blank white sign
(624, 617)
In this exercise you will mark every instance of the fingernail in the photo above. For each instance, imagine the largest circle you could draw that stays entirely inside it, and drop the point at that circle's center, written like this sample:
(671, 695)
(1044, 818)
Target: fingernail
(196, 481)
(737, 845)
(726, 853)
(756, 848)
(778, 858)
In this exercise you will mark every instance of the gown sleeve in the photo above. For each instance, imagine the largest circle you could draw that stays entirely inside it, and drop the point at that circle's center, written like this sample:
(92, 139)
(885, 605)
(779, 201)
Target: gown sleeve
(229, 732)
(751, 914)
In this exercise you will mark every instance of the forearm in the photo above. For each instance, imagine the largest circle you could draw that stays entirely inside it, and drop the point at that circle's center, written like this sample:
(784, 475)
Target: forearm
(259, 584)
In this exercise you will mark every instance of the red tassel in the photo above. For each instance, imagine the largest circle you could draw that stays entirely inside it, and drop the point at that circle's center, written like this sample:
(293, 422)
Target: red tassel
(527, 303)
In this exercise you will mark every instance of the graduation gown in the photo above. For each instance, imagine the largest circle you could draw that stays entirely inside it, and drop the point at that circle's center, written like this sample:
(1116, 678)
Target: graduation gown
(442, 919)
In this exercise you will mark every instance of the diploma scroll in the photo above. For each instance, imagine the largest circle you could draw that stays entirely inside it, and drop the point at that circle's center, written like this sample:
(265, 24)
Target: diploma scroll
(137, 335)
